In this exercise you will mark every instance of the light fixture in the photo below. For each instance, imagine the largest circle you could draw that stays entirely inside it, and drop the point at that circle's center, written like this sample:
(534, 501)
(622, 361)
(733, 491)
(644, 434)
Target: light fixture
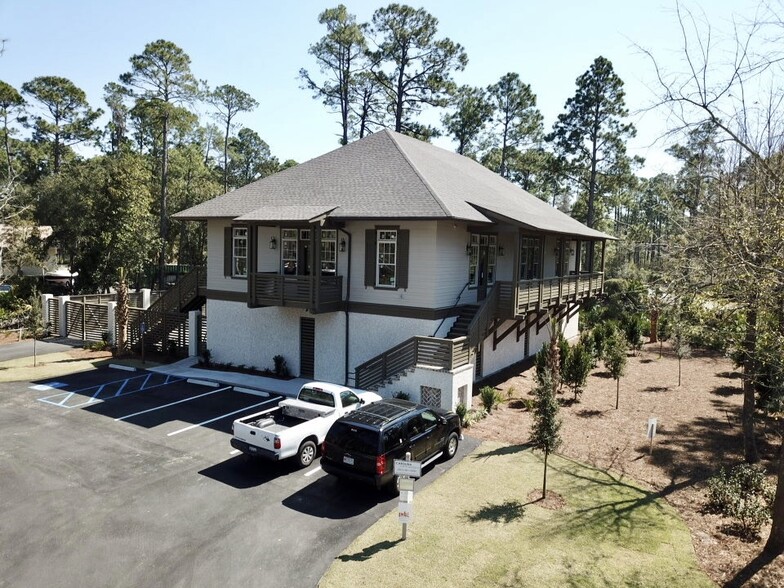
(500, 251)
(468, 249)
(342, 244)
(273, 243)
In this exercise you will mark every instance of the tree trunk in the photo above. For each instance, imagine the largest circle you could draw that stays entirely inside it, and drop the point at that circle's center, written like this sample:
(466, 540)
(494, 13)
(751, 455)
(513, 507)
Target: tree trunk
(617, 392)
(749, 347)
(7, 148)
(544, 480)
(164, 227)
(654, 334)
(775, 544)
(226, 155)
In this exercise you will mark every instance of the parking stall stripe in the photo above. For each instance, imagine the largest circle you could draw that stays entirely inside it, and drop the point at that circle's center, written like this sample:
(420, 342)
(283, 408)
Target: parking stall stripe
(223, 416)
(127, 416)
(315, 470)
(122, 387)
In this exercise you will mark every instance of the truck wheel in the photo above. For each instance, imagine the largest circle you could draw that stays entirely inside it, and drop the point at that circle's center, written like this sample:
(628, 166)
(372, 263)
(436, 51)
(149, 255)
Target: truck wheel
(307, 453)
(450, 449)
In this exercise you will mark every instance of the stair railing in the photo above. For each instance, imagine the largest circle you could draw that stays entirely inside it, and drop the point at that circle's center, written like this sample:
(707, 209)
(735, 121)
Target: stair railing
(484, 317)
(457, 301)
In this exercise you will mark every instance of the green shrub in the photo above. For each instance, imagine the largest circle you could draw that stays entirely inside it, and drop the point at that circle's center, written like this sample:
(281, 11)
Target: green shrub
(490, 398)
(281, 369)
(461, 411)
(576, 368)
(474, 415)
(742, 494)
(529, 404)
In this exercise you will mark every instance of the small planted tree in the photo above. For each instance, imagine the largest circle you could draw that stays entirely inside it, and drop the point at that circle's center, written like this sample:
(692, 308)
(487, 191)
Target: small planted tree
(546, 425)
(615, 360)
(680, 346)
(33, 322)
(633, 329)
(576, 368)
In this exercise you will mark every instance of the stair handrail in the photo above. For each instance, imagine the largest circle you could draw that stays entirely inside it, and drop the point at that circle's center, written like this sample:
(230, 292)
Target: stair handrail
(477, 328)
(393, 356)
(457, 301)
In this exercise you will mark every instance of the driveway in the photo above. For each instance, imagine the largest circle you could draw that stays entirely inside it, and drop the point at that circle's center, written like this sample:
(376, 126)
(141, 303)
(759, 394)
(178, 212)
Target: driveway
(112, 478)
(24, 348)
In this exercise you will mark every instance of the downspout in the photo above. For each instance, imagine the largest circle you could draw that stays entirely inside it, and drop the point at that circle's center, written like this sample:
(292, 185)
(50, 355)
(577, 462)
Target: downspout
(348, 297)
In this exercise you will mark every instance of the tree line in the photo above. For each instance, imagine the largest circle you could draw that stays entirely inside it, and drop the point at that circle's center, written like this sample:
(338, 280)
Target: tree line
(154, 156)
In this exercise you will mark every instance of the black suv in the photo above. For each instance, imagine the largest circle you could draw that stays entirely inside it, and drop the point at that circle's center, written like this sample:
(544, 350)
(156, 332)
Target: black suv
(363, 444)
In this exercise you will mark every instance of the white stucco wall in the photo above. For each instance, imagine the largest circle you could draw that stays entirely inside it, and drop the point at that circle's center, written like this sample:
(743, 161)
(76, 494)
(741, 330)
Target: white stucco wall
(373, 334)
(448, 382)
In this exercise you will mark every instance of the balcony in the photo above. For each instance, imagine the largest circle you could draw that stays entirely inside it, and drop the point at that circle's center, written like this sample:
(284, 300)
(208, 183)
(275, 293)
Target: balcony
(551, 292)
(315, 293)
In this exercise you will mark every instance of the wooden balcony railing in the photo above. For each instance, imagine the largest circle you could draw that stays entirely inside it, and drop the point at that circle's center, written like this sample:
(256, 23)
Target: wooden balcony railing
(316, 293)
(549, 292)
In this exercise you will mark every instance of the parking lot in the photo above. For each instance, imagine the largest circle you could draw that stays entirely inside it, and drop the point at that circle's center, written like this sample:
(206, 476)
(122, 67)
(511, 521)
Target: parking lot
(128, 479)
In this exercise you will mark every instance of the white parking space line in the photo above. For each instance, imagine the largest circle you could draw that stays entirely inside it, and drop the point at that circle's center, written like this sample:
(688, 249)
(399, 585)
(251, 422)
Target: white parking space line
(315, 470)
(128, 416)
(223, 416)
(235, 452)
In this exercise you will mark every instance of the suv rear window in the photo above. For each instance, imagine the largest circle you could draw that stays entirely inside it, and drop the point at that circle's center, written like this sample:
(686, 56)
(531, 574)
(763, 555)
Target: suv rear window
(353, 439)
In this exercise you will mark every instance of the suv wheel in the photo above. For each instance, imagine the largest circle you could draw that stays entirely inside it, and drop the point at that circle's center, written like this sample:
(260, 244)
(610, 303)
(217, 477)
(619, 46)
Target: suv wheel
(450, 449)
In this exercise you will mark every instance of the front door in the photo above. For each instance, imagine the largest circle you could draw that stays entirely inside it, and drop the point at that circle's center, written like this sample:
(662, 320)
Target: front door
(481, 274)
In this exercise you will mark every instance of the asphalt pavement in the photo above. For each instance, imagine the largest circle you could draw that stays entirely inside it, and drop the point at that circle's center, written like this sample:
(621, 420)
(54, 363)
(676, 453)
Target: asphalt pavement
(112, 478)
(24, 348)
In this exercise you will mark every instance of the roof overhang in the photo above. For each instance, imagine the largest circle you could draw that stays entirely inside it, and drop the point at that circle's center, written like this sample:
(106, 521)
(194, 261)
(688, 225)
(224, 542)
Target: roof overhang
(275, 214)
(576, 230)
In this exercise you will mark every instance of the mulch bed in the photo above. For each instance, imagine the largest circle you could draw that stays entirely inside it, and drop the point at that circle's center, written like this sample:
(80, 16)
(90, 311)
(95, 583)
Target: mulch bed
(698, 431)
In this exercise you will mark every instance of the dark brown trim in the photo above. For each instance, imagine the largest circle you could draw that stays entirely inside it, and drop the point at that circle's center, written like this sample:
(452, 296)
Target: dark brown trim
(404, 311)
(226, 295)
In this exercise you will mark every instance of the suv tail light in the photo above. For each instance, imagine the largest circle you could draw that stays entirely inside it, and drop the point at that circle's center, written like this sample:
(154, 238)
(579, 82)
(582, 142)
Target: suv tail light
(381, 464)
(276, 443)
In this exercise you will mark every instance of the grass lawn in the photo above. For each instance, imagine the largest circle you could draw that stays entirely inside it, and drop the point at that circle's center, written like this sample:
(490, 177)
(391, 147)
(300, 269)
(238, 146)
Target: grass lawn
(476, 526)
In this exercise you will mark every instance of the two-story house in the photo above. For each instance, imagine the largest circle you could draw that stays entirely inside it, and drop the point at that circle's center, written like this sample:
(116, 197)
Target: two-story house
(392, 264)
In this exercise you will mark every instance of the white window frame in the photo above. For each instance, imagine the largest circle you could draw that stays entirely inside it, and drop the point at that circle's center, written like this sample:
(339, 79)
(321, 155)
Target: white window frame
(386, 239)
(491, 242)
(239, 252)
(288, 236)
(329, 252)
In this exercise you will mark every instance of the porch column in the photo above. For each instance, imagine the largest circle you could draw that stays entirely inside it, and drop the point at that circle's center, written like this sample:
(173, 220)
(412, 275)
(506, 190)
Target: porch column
(194, 324)
(63, 315)
(111, 314)
(516, 274)
(146, 297)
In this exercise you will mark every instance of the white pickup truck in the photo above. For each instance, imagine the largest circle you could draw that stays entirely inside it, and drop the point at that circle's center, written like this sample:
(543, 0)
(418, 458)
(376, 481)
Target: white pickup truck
(296, 427)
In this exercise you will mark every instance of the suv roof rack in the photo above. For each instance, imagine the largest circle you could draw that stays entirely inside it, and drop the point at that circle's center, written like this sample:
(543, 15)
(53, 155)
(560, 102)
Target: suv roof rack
(381, 412)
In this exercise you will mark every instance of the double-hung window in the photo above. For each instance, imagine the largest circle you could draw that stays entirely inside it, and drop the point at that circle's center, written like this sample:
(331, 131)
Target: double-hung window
(239, 252)
(489, 246)
(288, 251)
(386, 258)
(329, 252)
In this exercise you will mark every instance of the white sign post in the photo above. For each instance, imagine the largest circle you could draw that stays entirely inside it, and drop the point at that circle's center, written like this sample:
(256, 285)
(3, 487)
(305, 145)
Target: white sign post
(406, 470)
(651, 433)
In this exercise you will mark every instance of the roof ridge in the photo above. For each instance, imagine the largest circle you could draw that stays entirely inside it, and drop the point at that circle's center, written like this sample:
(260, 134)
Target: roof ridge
(417, 172)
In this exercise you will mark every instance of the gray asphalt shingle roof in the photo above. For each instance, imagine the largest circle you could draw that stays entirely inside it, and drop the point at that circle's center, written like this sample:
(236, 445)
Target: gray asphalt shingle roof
(385, 176)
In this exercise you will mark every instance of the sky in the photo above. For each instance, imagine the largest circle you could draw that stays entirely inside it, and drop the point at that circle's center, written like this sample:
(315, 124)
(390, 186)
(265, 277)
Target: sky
(260, 45)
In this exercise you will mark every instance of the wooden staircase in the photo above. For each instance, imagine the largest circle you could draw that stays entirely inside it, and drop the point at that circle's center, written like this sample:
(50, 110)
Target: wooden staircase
(460, 327)
(166, 320)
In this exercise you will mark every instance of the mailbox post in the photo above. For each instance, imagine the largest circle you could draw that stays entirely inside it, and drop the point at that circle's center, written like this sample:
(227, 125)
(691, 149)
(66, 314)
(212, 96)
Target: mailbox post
(406, 471)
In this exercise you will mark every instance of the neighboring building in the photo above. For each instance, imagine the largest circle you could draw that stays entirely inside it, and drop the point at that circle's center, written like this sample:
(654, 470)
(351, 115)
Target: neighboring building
(51, 268)
(392, 264)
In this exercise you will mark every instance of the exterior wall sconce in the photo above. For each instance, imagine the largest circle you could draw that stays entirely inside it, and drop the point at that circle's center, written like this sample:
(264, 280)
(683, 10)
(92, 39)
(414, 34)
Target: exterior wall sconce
(273, 243)
(343, 245)
(468, 249)
(500, 251)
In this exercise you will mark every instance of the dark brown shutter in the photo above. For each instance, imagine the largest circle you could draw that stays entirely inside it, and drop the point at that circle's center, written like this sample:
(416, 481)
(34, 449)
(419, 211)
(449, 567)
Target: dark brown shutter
(370, 257)
(227, 246)
(402, 259)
